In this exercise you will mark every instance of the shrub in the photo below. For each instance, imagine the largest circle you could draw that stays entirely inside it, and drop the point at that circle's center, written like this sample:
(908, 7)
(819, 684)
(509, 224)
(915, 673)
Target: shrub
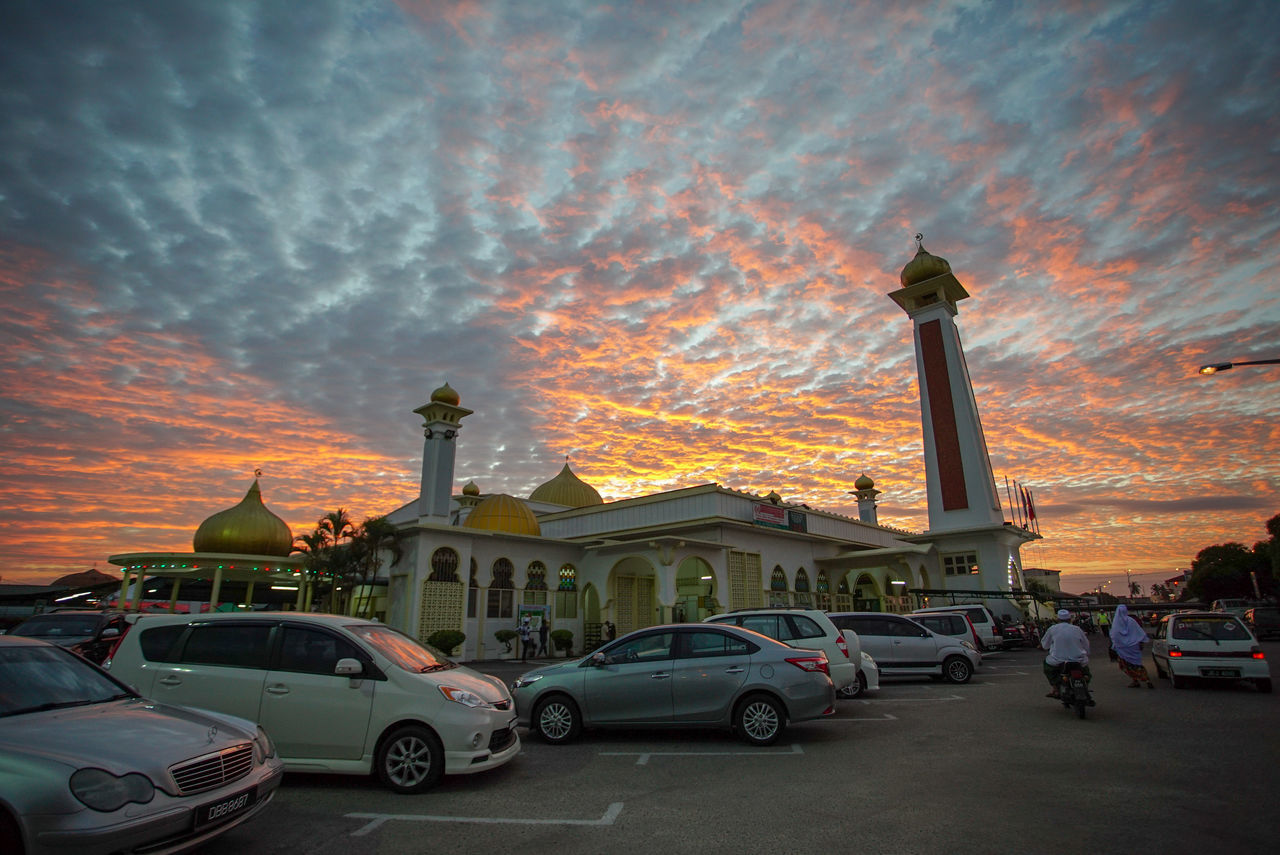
(563, 640)
(446, 640)
(505, 636)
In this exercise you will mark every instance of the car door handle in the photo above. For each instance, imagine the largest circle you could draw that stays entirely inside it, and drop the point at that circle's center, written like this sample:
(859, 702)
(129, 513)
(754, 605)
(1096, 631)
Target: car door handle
(170, 680)
(735, 670)
(661, 675)
(278, 689)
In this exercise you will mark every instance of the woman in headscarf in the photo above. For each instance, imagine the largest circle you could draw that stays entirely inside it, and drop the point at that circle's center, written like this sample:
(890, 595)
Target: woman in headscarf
(1127, 638)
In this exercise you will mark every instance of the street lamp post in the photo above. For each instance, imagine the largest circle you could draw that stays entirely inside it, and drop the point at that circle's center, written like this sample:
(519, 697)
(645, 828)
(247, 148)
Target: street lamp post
(1216, 367)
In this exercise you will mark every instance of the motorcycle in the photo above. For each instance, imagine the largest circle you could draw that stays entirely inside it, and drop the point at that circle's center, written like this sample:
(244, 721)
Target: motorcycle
(1073, 688)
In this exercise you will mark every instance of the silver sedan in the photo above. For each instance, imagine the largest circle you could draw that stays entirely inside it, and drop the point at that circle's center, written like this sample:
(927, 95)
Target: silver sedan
(87, 766)
(679, 676)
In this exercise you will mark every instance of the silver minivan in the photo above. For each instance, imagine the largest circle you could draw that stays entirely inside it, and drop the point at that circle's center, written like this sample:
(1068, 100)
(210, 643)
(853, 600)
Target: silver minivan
(337, 694)
(902, 647)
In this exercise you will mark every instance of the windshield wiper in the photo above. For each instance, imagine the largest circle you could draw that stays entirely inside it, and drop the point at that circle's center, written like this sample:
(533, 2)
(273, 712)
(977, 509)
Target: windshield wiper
(52, 705)
(1198, 631)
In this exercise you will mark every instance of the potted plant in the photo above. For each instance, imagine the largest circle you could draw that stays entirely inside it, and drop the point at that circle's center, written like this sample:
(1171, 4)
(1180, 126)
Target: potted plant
(506, 636)
(446, 640)
(562, 639)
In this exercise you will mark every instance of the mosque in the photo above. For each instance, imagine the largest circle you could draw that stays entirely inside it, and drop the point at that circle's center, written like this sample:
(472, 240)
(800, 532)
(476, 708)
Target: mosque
(478, 563)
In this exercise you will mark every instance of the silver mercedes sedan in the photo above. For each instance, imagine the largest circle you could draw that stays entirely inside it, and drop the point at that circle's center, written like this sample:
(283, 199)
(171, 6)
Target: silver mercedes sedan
(680, 676)
(87, 766)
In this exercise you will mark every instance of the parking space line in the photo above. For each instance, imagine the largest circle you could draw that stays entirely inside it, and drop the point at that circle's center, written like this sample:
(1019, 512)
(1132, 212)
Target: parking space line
(642, 757)
(883, 700)
(376, 820)
(885, 717)
(1009, 674)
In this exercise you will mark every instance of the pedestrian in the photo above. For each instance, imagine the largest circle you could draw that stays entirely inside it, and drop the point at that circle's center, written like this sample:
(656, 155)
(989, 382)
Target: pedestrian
(543, 631)
(1127, 639)
(526, 636)
(608, 631)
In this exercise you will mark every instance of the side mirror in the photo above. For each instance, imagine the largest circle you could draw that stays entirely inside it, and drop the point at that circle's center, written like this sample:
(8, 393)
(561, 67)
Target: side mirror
(348, 668)
(110, 632)
(599, 659)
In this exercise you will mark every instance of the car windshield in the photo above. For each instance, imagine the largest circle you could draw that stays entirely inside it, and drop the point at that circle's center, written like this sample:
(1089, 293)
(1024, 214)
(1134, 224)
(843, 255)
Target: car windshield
(1216, 628)
(45, 678)
(402, 650)
(56, 626)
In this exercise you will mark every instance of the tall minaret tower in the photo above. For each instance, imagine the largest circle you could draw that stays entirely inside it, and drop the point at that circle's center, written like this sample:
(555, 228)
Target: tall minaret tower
(441, 420)
(961, 486)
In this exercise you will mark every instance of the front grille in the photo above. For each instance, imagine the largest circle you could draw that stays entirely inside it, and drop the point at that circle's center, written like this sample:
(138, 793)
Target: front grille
(501, 739)
(213, 770)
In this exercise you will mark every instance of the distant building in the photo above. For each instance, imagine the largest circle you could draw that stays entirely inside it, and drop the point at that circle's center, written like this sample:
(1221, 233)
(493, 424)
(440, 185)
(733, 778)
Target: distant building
(1050, 578)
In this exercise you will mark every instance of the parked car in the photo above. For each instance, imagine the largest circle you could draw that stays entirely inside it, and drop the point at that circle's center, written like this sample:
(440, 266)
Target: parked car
(341, 694)
(1264, 621)
(680, 675)
(808, 628)
(1209, 646)
(1236, 607)
(869, 673)
(903, 647)
(89, 766)
(983, 620)
(89, 633)
(955, 624)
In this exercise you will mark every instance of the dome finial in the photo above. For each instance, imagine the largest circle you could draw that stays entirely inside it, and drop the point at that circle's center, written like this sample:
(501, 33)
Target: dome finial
(919, 241)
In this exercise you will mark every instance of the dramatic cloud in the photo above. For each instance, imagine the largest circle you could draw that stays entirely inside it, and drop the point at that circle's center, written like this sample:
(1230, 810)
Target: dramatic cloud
(656, 238)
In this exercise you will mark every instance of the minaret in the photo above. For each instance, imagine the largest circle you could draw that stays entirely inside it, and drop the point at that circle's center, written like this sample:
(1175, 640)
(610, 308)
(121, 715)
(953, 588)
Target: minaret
(866, 493)
(441, 420)
(961, 487)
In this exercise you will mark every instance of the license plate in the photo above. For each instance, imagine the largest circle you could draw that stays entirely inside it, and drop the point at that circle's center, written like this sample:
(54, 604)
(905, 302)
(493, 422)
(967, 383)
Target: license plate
(226, 808)
(1220, 672)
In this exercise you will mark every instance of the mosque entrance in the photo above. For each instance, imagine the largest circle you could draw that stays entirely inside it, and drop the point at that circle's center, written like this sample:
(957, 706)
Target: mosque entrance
(695, 592)
(634, 595)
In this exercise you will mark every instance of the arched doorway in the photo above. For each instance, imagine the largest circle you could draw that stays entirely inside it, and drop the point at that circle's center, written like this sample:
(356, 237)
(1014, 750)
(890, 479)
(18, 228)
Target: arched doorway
(866, 594)
(635, 601)
(695, 591)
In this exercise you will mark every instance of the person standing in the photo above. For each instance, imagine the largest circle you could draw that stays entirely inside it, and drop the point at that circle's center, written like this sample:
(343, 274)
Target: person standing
(526, 636)
(1127, 639)
(544, 630)
(1065, 642)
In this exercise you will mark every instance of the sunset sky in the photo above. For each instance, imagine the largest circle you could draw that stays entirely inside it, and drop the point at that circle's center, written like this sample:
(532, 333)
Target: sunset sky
(654, 237)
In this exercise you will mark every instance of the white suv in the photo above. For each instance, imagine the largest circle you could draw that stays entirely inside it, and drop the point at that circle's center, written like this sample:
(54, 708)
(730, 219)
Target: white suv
(812, 629)
(337, 694)
(903, 647)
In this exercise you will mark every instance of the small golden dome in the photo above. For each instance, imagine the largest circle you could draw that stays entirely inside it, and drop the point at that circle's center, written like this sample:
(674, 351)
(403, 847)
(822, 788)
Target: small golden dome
(501, 512)
(863, 482)
(446, 395)
(246, 529)
(567, 489)
(774, 497)
(471, 489)
(923, 267)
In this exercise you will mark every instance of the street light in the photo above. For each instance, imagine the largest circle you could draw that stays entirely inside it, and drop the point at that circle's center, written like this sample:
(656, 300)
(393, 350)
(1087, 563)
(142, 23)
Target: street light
(1215, 367)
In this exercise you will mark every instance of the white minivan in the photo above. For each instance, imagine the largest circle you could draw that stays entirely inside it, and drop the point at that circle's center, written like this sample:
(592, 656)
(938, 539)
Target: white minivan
(336, 694)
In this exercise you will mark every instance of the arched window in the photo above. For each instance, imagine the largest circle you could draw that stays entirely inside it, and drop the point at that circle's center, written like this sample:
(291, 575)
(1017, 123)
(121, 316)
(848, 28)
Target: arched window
(473, 591)
(501, 593)
(444, 565)
(802, 597)
(823, 591)
(567, 593)
(778, 588)
(535, 586)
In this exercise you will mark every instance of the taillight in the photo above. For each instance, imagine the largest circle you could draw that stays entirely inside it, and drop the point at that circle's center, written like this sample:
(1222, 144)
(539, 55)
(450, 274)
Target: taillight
(1174, 652)
(811, 663)
(1256, 653)
(843, 645)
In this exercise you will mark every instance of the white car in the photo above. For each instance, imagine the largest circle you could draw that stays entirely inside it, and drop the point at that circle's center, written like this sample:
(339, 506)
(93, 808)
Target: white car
(1210, 646)
(807, 628)
(902, 647)
(339, 694)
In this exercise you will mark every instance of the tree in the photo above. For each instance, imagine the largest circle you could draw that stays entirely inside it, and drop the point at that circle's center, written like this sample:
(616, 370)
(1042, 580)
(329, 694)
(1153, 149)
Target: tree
(1224, 570)
(315, 549)
(374, 536)
(1135, 590)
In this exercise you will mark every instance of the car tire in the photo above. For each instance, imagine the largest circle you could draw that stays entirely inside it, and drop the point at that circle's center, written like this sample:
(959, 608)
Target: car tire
(1160, 672)
(1175, 681)
(957, 669)
(1263, 684)
(759, 719)
(556, 720)
(410, 760)
(855, 689)
(10, 835)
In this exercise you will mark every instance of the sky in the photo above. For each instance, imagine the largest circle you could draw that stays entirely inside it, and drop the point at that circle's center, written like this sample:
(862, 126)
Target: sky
(654, 238)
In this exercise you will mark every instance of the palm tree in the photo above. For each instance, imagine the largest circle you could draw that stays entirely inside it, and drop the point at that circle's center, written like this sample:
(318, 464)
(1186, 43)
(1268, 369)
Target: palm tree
(316, 549)
(338, 525)
(374, 536)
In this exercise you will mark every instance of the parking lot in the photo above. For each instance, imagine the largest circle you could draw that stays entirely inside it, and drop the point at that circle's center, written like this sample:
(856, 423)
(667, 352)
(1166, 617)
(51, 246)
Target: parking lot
(920, 766)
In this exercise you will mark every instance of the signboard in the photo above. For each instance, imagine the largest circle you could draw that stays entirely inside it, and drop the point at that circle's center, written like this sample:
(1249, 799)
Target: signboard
(770, 515)
(797, 521)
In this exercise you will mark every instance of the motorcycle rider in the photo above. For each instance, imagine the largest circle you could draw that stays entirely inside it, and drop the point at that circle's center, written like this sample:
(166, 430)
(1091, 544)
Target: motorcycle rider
(1065, 642)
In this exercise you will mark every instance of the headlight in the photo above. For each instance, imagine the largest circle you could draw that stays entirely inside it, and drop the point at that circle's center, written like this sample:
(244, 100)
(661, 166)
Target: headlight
(262, 744)
(969, 644)
(101, 790)
(525, 681)
(466, 697)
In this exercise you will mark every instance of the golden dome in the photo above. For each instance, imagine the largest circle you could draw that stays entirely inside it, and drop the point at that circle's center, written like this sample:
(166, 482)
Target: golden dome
(924, 266)
(863, 482)
(567, 489)
(501, 512)
(471, 489)
(446, 395)
(246, 529)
